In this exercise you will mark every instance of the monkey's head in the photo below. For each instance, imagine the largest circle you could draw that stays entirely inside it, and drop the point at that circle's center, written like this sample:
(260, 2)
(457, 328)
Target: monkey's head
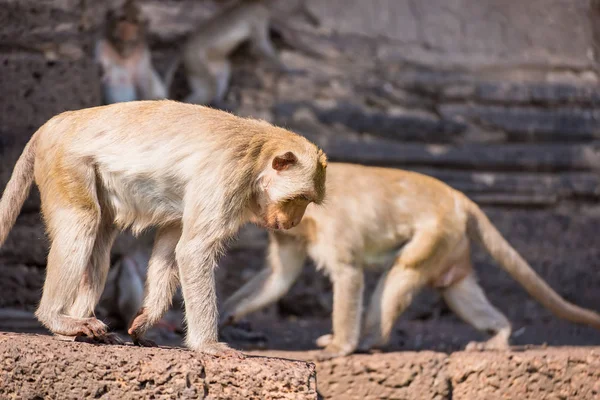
(125, 28)
(291, 181)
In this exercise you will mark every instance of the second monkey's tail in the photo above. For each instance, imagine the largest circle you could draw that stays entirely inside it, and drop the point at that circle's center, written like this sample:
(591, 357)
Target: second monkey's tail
(17, 189)
(481, 229)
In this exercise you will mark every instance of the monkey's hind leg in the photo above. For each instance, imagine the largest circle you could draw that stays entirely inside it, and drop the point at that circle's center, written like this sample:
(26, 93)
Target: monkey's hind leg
(161, 283)
(397, 287)
(90, 288)
(467, 299)
(72, 282)
(202, 83)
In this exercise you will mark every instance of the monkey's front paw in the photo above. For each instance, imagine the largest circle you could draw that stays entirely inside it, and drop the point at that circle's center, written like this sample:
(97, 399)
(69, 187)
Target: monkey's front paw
(324, 341)
(493, 345)
(333, 351)
(220, 349)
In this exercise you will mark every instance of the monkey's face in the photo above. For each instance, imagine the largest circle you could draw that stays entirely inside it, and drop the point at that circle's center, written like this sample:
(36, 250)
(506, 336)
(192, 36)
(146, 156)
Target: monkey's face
(286, 214)
(126, 36)
(125, 28)
(287, 187)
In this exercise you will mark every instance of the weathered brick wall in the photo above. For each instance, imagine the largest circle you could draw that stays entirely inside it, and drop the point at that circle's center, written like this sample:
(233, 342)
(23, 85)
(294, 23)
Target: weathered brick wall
(498, 98)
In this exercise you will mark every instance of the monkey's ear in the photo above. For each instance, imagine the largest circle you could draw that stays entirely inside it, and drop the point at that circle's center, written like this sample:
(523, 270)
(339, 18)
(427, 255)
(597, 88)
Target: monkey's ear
(282, 162)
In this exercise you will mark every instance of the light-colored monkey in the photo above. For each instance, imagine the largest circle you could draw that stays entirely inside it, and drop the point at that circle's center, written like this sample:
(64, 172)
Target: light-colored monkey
(125, 59)
(421, 226)
(196, 173)
(205, 54)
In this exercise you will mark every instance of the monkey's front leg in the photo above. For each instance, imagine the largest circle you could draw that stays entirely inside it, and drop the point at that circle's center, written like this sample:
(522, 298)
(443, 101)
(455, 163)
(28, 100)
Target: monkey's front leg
(197, 260)
(286, 257)
(348, 285)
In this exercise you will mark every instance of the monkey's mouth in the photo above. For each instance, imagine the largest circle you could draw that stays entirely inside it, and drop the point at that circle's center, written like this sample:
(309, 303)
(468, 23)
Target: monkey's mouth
(266, 223)
(273, 224)
(281, 226)
(276, 225)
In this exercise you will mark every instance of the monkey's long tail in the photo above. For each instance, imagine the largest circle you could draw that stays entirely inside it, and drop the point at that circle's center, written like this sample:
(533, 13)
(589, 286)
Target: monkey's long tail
(17, 189)
(480, 228)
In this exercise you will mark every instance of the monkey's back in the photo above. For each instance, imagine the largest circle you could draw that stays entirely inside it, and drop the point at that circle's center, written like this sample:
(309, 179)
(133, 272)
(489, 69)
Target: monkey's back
(144, 155)
(375, 211)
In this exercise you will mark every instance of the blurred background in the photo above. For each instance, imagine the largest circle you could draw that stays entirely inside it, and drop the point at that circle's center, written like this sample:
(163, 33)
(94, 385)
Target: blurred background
(498, 98)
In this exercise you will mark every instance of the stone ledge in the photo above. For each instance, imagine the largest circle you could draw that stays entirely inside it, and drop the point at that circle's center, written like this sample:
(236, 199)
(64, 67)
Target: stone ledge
(37, 366)
(558, 372)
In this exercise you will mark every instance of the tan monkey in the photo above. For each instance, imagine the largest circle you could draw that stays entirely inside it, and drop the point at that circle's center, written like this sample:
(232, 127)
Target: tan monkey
(195, 173)
(206, 52)
(421, 226)
(125, 60)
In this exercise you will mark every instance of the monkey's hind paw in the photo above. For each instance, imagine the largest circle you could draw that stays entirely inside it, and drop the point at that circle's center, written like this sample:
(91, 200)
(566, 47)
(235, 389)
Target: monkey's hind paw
(74, 328)
(324, 341)
(490, 345)
(141, 342)
(220, 349)
(333, 351)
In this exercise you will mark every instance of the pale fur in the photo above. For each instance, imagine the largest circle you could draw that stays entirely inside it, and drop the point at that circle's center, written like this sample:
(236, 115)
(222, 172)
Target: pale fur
(195, 173)
(422, 228)
(205, 54)
(129, 74)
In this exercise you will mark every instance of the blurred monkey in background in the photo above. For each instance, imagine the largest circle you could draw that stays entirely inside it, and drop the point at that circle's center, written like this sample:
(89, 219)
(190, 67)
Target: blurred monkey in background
(418, 226)
(125, 59)
(206, 52)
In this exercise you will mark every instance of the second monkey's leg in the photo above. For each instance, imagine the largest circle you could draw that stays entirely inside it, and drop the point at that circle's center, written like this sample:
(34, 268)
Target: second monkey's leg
(348, 286)
(223, 76)
(396, 288)
(161, 284)
(202, 83)
(467, 299)
(286, 257)
(261, 43)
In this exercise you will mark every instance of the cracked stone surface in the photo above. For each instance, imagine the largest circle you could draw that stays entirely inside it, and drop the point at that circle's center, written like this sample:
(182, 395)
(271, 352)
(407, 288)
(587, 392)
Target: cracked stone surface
(34, 366)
